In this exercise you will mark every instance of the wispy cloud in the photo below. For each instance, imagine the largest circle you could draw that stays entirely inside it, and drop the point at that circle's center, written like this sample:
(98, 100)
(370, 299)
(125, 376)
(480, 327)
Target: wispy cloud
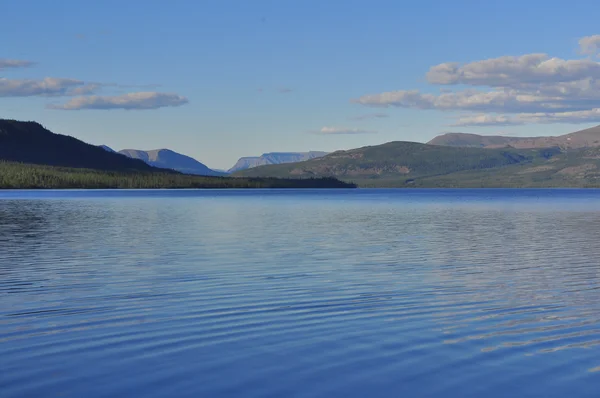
(49, 86)
(536, 87)
(118, 85)
(589, 45)
(369, 116)
(53, 87)
(14, 63)
(485, 120)
(341, 131)
(577, 117)
(130, 101)
(82, 91)
(516, 72)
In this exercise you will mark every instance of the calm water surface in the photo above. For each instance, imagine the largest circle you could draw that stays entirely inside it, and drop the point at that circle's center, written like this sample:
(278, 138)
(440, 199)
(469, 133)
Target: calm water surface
(352, 293)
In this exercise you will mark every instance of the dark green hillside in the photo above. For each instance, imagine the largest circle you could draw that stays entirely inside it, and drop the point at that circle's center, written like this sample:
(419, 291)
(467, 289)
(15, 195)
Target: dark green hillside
(29, 142)
(407, 165)
(401, 161)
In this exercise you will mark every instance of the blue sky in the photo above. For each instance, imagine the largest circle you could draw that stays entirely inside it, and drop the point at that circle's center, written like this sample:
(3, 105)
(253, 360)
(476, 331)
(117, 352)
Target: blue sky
(218, 80)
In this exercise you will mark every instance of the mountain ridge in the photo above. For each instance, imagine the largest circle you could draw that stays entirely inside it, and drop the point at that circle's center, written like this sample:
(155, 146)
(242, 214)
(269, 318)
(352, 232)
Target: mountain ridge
(33, 157)
(30, 142)
(589, 137)
(401, 164)
(169, 159)
(248, 162)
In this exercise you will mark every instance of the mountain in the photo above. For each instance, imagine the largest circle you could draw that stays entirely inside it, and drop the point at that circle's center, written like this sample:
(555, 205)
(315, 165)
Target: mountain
(167, 159)
(107, 148)
(579, 139)
(410, 164)
(399, 158)
(30, 142)
(274, 158)
(33, 157)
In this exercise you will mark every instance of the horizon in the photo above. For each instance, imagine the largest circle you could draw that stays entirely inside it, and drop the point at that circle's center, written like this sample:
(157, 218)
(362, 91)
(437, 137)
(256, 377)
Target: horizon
(223, 80)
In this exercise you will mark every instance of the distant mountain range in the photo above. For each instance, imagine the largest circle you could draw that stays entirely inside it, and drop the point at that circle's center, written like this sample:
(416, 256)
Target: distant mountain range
(458, 160)
(167, 159)
(33, 157)
(579, 139)
(450, 160)
(274, 158)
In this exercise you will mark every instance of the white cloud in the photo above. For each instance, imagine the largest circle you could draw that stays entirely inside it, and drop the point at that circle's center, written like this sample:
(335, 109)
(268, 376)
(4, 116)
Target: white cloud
(589, 44)
(534, 87)
(485, 120)
(370, 116)
(587, 116)
(130, 101)
(512, 101)
(342, 130)
(576, 117)
(400, 98)
(49, 86)
(510, 71)
(14, 63)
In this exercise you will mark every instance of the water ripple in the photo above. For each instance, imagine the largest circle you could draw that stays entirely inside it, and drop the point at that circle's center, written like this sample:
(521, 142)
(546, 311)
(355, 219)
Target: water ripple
(303, 294)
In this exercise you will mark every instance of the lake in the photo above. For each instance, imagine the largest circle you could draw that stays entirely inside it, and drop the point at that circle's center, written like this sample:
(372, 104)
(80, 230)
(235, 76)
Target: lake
(300, 293)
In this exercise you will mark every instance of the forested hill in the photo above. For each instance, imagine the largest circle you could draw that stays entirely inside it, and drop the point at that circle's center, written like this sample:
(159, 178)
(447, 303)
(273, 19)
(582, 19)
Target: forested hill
(32, 157)
(410, 164)
(399, 159)
(31, 176)
(30, 142)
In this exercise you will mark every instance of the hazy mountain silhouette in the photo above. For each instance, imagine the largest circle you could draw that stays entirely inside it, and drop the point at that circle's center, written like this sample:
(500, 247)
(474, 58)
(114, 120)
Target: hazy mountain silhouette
(274, 158)
(168, 159)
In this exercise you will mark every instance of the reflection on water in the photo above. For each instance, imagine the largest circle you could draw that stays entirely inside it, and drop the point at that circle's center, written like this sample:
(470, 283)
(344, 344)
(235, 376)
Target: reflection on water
(304, 294)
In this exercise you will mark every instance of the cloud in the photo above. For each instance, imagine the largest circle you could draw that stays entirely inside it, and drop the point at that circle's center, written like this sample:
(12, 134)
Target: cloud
(510, 71)
(576, 117)
(485, 120)
(117, 85)
(555, 99)
(14, 63)
(285, 90)
(130, 101)
(49, 86)
(53, 87)
(589, 44)
(587, 116)
(369, 116)
(341, 131)
(534, 87)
